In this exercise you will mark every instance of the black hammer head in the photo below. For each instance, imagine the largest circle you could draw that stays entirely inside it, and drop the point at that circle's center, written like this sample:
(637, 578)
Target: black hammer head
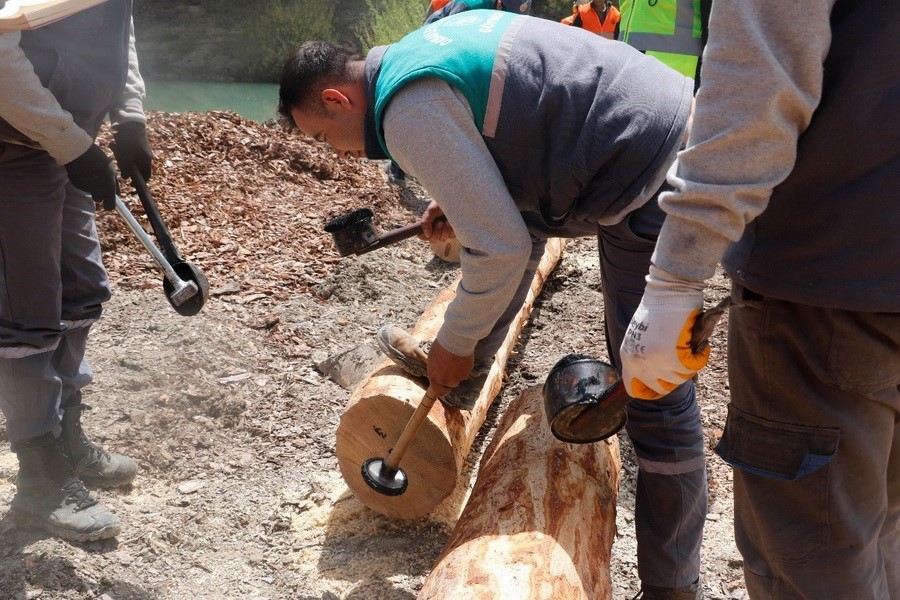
(353, 232)
(582, 399)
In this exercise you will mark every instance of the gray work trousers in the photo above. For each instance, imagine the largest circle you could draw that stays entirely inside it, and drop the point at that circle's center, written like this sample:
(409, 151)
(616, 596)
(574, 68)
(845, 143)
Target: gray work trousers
(52, 286)
(812, 433)
(667, 434)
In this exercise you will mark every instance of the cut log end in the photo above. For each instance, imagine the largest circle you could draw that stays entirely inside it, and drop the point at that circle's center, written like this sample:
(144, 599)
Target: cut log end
(381, 406)
(369, 429)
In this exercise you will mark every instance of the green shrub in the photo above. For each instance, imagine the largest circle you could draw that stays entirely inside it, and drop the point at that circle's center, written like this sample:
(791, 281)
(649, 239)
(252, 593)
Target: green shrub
(279, 26)
(553, 9)
(390, 20)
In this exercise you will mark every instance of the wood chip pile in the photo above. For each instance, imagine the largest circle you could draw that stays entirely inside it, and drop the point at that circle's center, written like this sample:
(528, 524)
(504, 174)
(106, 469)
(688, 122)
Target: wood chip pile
(246, 203)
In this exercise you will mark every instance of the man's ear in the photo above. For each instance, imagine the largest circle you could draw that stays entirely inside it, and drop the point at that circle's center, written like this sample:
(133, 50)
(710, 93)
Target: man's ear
(335, 100)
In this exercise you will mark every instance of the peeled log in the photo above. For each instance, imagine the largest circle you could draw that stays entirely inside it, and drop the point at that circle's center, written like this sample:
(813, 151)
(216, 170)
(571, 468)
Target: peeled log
(381, 405)
(540, 521)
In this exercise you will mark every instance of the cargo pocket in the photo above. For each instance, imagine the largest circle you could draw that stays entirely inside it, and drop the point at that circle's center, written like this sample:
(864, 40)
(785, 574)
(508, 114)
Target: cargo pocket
(778, 453)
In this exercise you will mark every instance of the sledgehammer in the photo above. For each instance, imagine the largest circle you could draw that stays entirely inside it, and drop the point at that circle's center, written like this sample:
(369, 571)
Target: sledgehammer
(354, 233)
(585, 398)
(184, 284)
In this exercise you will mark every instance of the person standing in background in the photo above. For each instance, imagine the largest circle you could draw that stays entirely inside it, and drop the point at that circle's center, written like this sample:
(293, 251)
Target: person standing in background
(57, 84)
(673, 31)
(596, 16)
(438, 9)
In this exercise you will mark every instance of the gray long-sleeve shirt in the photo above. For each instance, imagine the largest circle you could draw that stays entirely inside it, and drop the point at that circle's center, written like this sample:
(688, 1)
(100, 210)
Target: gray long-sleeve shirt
(762, 81)
(517, 138)
(427, 123)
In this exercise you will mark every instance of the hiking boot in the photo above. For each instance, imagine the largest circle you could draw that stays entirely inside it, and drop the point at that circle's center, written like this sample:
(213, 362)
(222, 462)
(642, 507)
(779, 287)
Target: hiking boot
(693, 591)
(50, 496)
(409, 353)
(93, 464)
(463, 396)
(412, 356)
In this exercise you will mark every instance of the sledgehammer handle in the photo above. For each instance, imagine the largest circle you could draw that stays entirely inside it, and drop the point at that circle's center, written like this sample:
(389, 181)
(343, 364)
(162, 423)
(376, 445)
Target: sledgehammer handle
(397, 235)
(394, 236)
(182, 290)
(705, 324)
(145, 241)
(169, 250)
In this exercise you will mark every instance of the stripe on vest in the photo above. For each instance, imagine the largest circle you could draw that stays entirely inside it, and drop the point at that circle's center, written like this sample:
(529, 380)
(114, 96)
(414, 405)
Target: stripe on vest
(498, 79)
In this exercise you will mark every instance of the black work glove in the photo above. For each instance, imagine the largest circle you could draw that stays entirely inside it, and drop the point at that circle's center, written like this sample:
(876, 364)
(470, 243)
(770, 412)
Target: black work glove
(132, 149)
(93, 173)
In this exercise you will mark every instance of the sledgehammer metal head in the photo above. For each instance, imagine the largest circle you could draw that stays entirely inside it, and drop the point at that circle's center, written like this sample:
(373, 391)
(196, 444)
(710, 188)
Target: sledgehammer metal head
(354, 233)
(585, 399)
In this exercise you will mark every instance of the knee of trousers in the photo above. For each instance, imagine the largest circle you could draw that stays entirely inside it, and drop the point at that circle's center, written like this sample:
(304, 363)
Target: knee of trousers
(668, 431)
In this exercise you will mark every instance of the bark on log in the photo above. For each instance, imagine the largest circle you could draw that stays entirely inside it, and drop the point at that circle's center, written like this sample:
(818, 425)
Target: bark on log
(380, 407)
(540, 522)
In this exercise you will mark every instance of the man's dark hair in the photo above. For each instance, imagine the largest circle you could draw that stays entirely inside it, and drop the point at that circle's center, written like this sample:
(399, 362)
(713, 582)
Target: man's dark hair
(309, 64)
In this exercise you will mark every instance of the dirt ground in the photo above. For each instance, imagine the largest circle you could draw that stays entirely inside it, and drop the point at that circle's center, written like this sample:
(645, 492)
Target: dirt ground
(232, 421)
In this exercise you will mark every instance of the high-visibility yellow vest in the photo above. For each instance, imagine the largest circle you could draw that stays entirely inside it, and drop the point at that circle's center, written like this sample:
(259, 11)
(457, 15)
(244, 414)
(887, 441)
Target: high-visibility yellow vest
(670, 30)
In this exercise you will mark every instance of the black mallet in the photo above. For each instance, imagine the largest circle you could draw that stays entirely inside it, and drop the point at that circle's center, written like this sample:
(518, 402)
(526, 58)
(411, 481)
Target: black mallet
(384, 475)
(354, 233)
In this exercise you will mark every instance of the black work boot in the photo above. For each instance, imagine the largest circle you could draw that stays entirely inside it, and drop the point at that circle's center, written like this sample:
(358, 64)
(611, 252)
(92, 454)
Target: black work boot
(412, 356)
(93, 464)
(693, 591)
(50, 496)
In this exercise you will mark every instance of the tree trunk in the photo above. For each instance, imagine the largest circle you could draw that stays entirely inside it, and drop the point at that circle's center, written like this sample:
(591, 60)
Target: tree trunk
(380, 407)
(540, 522)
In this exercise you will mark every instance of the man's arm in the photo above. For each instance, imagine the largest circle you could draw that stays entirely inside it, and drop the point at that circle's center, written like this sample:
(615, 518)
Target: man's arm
(130, 105)
(761, 85)
(32, 109)
(762, 81)
(431, 134)
(131, 147)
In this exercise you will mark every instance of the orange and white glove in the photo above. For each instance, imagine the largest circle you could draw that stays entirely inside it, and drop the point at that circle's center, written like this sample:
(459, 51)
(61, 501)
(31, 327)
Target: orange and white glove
(656, 353)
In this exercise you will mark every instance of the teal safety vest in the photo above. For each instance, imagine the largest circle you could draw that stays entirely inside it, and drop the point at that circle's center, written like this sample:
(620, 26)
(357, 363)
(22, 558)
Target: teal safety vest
(577, 128)
(462, 55)
(670, 30)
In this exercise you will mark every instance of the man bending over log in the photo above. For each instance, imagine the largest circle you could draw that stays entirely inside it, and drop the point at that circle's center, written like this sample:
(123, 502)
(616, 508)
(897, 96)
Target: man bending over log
(522, 129)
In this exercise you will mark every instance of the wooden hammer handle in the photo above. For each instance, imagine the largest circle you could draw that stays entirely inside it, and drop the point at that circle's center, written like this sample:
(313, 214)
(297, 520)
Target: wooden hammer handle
(412, 427)
(397, 235)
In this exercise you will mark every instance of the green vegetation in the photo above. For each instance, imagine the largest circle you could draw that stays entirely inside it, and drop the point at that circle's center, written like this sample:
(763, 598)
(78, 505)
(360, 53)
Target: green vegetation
(278, 26)
(227, 40)
(389, 21)
(554, 9)
(236, 40)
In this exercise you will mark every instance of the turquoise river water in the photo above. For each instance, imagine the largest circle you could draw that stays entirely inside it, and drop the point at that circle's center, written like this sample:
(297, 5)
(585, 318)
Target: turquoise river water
(257, 101)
